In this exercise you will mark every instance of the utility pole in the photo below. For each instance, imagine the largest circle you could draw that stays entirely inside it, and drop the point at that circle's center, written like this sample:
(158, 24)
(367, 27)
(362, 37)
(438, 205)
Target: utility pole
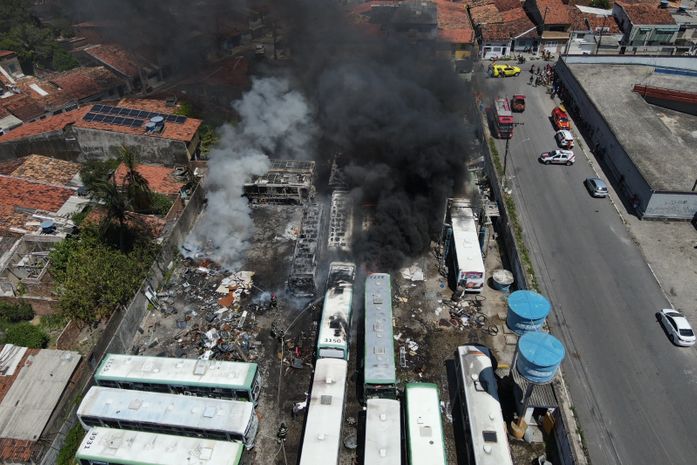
(505, 155)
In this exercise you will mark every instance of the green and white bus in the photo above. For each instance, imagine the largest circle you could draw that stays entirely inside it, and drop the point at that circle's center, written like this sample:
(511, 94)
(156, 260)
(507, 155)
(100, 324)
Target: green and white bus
(379, 372)
(426, 442)
(335, 323)
(202, 378)
(108, 446)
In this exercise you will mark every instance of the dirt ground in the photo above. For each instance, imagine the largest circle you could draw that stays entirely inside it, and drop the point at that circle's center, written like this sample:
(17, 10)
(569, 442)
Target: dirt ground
(423, 326)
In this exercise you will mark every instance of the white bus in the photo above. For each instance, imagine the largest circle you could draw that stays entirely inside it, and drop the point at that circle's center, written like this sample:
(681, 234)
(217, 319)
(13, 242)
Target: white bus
(325, 413)
(383, 438)
(221, 419)
(486, 438)
(379, 372)
(107, 446)
(424, 426)
(464, 248)
(335, 323)
(205, 378)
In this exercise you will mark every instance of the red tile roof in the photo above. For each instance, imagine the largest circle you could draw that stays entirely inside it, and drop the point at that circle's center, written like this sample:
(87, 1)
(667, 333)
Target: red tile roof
(184, 132)
(22, 106)
(579, 19)
(643, 13)
(151, 224)
(6, 53)
(160, 178)
(7, 167)
(557, 11)
(21, 193)
(46, 169)
(116, 58)
(50, 124)
(505, 5)
(453, 22)
(509, 29)
(83, 83)
(485, 13)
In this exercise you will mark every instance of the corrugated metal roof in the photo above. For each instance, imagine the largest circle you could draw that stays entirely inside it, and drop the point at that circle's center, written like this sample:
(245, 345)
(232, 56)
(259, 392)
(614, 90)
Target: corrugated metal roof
(29, 403)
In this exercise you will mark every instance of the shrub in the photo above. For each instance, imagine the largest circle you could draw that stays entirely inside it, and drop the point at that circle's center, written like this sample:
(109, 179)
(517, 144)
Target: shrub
(14, 313)
(66, 456)
(26, 335)
(160, 204)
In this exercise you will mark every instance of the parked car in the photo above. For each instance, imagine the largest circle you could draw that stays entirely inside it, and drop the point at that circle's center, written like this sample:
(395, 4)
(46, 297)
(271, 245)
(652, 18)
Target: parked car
(564, 139)
(504, 71)
(596, 187)
(518, 103)
(558, 157)
(560, 118)
(678, 328)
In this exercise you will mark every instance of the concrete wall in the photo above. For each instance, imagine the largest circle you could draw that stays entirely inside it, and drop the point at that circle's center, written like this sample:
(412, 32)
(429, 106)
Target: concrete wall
(95, 144)
(682, 206)
(617, 164)
(675, 62)
(58, 144)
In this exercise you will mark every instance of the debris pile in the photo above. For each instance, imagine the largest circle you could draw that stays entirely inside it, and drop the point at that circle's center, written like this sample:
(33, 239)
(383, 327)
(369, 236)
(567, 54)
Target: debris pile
(203, 312)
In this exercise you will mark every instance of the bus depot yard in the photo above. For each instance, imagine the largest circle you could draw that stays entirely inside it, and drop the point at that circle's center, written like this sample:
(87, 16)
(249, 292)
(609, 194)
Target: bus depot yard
(206, 312)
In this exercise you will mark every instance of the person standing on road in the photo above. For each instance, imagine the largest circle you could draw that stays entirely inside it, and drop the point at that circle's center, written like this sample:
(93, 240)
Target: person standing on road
(532, 69)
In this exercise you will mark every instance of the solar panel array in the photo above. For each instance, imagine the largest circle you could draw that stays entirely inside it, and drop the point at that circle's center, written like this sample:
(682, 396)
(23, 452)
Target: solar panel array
(126, 116)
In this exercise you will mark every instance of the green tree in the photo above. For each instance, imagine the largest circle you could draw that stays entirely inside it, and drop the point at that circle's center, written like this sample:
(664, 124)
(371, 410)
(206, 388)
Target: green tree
(117, 205)
(62, 60)
(26, 335)
(604, 4)
(13, 12)
(14, 313)
(93, 279)
(93, 172)
(31, 43)
(134, 184)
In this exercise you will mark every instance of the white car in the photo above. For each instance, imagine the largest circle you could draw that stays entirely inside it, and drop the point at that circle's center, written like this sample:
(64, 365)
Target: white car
(559, 157)
(564, 139)
(678, 328)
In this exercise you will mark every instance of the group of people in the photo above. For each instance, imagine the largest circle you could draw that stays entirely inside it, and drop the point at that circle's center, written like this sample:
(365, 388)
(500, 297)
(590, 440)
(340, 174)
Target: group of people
(540, 75)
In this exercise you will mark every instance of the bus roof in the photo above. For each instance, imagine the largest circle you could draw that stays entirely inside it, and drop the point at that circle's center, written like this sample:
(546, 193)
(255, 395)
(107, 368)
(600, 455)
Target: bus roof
(322, 438)
(489, 437)
(383, 440)
(176, 410)
(108, 445)
(424, 425)
(336, 316)
(465, 236)
(379, 367)
(179, 371)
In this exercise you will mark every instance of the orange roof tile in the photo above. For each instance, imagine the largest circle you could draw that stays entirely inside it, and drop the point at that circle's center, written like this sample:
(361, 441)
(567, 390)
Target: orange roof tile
(453, 22)
(22, 106)
(507, 30)
(116, 58)
(46, 169)
(152, 224)
(85, 82)
(184, 132)
(557, 11)
(644, 13)
(579, 19)
(34, 195)
(6, 53)
(485, 13)
(160, 178)
(50, 124)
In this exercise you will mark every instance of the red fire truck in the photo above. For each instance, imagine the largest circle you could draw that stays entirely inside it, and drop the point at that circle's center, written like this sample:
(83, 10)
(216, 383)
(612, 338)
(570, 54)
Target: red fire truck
(503, 119)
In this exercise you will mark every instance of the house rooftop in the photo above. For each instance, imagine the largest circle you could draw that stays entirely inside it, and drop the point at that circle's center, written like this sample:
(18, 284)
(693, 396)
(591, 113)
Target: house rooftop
(659, 141)
(18, 197)
(518, 25)
(453, 22)
(44, 126)
(22, 106)
(184, 131)
(30, 401)
(644, 13)
(6, 53)
(160, 178)
(597, 19)
(557, 11)
(46, 169)
(85, 82)
(115, 57)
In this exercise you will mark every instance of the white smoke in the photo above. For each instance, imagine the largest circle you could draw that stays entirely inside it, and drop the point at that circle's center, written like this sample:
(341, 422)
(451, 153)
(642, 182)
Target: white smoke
(274, 120)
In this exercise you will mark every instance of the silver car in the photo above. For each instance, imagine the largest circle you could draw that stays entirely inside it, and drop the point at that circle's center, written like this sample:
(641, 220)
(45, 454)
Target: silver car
(596, 187)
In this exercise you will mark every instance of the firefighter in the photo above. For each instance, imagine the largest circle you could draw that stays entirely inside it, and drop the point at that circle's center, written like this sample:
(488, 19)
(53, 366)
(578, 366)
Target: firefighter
(274, 301)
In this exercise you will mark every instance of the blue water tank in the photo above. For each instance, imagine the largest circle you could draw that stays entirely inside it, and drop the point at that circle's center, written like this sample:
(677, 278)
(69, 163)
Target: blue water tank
(527, 311)
(539, 357)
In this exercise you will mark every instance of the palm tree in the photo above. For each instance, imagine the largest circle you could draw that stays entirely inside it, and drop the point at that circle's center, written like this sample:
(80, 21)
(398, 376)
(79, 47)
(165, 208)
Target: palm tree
(134, 184)
(117, 205)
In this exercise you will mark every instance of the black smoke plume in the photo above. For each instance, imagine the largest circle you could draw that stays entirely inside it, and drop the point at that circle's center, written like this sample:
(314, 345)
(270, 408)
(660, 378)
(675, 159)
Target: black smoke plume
(395, 112)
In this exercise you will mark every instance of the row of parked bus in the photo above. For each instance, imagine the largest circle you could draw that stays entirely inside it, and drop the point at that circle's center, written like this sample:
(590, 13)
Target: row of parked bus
(387, 422)
(178, 407)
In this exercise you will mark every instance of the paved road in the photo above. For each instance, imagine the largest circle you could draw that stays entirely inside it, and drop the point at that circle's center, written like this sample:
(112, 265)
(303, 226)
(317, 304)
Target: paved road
(634, 393)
